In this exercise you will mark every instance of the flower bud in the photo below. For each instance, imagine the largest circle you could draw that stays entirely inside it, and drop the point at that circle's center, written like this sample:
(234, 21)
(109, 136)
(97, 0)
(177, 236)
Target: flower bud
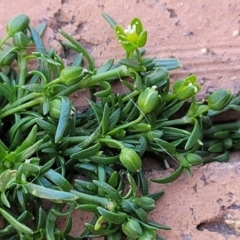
(118, 235)
(219, 99)
(71, 75)
(17, 24)
(148, 234)
(145, 202)
(20, 40)
(186, 88)
(140, 127)
(194, 159)
(130, 159)
(55, 108)
(158, 77)
(148, 100)
(132, 228)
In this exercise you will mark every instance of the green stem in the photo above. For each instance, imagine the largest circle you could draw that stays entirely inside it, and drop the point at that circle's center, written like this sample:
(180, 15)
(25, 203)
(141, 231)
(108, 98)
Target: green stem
(20, 101)
(53, 82)
(85, 198)
(121, 71)
(22, 107)
(43, 78)
(138, 54)
(115, 130)
(75, 87)
(90, 81)
(22, 65)
(179, 121)
(231, 126)
(109, 140)
(129, 54)
(131, 95)
(169, 97)
(4, 40)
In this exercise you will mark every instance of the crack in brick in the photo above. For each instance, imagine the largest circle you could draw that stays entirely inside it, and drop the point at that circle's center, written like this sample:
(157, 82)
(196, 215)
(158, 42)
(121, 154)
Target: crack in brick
(216, 225)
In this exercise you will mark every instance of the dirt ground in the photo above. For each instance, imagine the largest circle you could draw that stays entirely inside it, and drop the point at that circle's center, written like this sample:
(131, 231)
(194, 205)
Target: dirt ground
(205, 36)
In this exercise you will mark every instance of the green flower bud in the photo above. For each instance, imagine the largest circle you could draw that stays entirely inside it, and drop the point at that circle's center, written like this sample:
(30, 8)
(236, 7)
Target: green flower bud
(140, 127)
(55, 108)
(17, 24)
(130, 159)
(145, 202)
(20, 40)
(115, 236)
(186, 88)
(132, 228)
(148, 234)
(71, 75)
(158, 77)
(194, 159)
(148, 100)
(219, 99)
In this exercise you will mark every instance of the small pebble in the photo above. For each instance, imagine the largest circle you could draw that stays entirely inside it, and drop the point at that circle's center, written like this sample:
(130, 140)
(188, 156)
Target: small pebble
(204, 51)
(236, 33)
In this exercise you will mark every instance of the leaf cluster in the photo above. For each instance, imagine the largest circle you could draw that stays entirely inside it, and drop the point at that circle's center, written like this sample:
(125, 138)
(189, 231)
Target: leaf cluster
(55, 159)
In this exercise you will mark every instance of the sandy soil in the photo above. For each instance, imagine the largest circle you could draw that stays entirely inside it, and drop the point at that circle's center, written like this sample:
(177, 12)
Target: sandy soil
(205, 36)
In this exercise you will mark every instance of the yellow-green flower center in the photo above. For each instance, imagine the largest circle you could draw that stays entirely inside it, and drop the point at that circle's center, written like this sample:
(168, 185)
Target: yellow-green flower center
(131, 34)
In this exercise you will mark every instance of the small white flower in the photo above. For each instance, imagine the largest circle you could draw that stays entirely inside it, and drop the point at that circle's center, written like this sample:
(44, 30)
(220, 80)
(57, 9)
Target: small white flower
(130, 29)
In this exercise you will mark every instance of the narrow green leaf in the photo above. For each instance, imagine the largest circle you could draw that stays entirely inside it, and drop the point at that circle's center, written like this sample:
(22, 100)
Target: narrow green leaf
(58, 179)
(109, 20)
(106, 66)
(15, 223)
(176, 174)
(64, 118)
(6, 91)
(51, 194)
(195, 135)
(28, 152)
(37, 40)
(165, 146)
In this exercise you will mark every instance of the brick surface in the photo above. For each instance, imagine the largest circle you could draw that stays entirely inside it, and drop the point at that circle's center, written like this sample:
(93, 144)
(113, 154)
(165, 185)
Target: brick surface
(204, 35)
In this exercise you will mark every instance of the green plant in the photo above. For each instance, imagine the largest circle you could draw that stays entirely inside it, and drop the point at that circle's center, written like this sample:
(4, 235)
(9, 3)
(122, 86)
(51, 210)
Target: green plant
(45, 142)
